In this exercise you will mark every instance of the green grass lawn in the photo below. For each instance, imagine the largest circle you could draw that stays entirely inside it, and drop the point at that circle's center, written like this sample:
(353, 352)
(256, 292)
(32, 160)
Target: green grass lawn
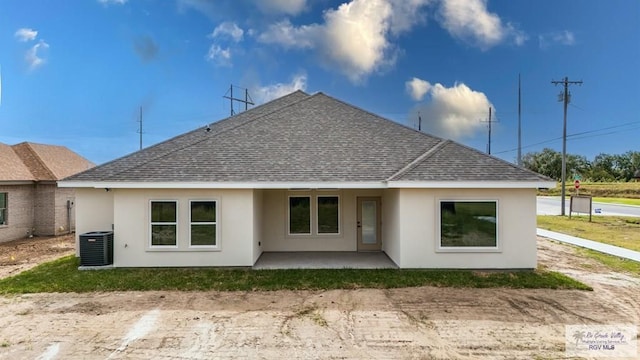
(620, 190)
(623, 201)
(613, 262)
(613, 230)
(62, 275)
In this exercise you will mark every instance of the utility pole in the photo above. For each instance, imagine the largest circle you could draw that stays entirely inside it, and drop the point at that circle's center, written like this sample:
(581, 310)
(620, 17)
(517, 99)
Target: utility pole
(419, 122)
(519, 125)
(565, 97)
(140, 127)
(489, 121)
(247, 99)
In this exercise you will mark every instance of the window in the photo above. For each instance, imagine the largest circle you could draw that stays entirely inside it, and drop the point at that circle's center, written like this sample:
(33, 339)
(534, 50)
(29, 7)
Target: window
(203, 223)
(468, 224)
(328, 215)
(3, 208)
(299, 215)
(164, 223)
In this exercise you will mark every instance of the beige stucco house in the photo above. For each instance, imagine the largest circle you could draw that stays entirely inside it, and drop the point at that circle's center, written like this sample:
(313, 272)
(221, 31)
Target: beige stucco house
(30, 202)
(311, 173)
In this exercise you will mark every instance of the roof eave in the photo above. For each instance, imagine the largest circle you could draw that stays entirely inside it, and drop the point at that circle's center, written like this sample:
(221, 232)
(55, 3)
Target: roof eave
(311, 185)
(222, 185)
(472, 184)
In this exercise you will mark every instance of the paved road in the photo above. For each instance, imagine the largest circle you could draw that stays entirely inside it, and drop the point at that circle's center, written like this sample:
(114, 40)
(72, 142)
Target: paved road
(550, 205)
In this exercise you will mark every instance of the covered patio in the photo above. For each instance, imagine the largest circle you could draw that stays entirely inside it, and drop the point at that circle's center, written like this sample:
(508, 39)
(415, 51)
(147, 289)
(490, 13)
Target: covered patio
(324, 260)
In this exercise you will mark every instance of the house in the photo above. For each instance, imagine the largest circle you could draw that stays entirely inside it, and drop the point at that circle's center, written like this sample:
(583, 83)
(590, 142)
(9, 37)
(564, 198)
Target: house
(30, 201)
(311, 173)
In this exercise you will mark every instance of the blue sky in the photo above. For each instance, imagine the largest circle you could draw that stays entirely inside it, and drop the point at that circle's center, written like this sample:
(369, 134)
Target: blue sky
(76, 73)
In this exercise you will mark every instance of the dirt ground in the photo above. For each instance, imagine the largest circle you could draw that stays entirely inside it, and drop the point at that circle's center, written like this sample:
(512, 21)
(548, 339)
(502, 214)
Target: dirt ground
(21, 255)
(409, 323)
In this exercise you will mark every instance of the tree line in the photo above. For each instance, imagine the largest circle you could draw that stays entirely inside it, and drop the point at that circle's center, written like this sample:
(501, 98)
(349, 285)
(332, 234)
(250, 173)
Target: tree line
(603, 168)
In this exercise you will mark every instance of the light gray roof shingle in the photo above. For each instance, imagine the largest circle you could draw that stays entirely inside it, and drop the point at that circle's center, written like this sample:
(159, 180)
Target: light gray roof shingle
(451, 161)
(304, 138)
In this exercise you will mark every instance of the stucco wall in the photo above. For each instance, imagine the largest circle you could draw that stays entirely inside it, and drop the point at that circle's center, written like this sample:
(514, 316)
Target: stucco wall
(258, 224)
(132, 229)
(391, 230)
(516, 229)
(94, 211)
(20, 219)
(276, 237)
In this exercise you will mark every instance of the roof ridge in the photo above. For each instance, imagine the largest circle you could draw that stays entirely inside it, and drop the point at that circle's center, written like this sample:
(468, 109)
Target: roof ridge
(38, 159)
(420, 159)
(380, 117)
(214, 134)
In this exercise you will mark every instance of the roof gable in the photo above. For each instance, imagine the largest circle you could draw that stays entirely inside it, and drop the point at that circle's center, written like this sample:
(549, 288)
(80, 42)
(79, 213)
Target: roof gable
(11, 166)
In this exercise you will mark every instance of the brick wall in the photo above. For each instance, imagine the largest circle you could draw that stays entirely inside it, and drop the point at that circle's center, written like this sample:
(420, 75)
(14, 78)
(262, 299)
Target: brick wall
(20, 212)
(37, 209)
(62, 215)
(44, 209)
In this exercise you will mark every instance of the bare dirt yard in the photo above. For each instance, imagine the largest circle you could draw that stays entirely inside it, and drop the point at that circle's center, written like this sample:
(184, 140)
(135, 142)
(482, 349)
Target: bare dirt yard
(21, 255)
(408, 323)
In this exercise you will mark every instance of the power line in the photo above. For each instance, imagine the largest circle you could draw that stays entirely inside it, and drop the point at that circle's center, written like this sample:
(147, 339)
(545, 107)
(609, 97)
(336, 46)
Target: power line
(574, 136)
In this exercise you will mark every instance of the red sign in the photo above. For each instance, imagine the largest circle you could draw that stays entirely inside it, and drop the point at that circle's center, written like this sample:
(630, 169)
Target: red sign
(577, 184)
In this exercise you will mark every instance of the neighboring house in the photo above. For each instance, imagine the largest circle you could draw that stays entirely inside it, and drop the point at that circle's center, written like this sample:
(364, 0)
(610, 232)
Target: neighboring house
(30, 201)
(311, 173)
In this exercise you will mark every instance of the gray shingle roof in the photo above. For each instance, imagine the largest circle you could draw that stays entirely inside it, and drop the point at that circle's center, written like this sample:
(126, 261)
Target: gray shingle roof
(451, 161)
(305, 138)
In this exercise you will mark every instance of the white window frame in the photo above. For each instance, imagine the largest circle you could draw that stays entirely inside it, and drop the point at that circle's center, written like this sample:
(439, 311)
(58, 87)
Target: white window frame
(462, 249)
(217, 245)
(317, 224)
(310, 197)
(176, 224)
(5, 209)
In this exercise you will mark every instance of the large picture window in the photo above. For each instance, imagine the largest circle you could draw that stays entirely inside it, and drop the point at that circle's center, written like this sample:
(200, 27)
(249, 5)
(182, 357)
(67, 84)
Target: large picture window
(468, 224)
(3, 208)
(328, 214)
(164, 223)
(300, 215)
(203, 231)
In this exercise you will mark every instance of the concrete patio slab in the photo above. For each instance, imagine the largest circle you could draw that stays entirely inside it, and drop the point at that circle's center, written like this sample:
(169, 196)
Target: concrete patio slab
(324, 260)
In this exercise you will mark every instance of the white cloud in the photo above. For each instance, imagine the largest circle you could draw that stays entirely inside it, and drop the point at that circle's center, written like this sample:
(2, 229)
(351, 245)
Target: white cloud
(288, 7)
(285, 34)
(454, 112)
(228, 29)
(406, 14)
(417, 88)
(205, 7)
(33, 56)
(109, 2)
(219, 56)
(26, 34)
(274, 91)
(565, 37)
(355, 38)
(470, 21)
